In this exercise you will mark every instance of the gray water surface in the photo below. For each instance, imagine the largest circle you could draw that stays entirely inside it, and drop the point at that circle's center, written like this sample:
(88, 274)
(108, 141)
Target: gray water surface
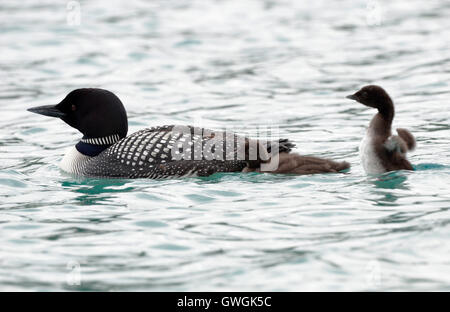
(220, 64)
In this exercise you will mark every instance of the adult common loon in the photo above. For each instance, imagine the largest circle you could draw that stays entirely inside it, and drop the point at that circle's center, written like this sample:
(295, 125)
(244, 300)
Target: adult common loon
(380, 151)
(105, 150)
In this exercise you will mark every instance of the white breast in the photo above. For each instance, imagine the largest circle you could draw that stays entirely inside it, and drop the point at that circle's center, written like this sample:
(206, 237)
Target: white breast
(73, 161)
(369, 160)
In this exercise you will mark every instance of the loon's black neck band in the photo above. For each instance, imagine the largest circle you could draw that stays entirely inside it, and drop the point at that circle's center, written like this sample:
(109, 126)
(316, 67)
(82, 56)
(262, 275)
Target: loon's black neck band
(90, 149)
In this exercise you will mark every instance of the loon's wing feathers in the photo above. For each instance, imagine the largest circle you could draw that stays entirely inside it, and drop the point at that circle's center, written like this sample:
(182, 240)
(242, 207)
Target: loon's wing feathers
(407, 137)
(240, 147)
(401, 143)
(394, 143)
(179, 150)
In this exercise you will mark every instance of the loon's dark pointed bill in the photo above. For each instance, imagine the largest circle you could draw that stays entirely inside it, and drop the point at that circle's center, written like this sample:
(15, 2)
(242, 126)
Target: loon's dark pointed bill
(351, 97)
(47, 110)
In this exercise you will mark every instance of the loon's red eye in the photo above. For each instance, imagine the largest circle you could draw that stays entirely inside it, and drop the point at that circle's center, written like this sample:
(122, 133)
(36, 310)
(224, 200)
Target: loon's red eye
(74, 108)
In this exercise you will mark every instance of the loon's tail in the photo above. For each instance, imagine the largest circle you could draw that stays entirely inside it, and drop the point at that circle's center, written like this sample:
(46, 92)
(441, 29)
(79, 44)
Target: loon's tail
(284, 146)
(265, 150)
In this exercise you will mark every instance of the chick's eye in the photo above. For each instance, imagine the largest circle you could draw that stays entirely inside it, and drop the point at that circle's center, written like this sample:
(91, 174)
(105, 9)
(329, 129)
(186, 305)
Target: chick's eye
(364, 93)
(74, 108)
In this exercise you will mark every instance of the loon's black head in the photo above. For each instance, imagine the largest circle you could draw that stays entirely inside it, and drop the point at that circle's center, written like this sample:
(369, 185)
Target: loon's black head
(96, 113)
(372, 96)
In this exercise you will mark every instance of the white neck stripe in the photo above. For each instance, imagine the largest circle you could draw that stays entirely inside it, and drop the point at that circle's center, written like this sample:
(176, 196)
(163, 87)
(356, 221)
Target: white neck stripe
(111, 139)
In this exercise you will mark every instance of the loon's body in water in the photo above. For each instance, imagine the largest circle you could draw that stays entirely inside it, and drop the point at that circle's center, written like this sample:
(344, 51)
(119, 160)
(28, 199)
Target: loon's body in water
(105, 150)
(380, 151)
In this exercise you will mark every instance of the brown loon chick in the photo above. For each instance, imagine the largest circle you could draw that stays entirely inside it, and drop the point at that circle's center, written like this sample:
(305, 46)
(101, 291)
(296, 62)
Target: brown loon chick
(380, 151)
(293, 163)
